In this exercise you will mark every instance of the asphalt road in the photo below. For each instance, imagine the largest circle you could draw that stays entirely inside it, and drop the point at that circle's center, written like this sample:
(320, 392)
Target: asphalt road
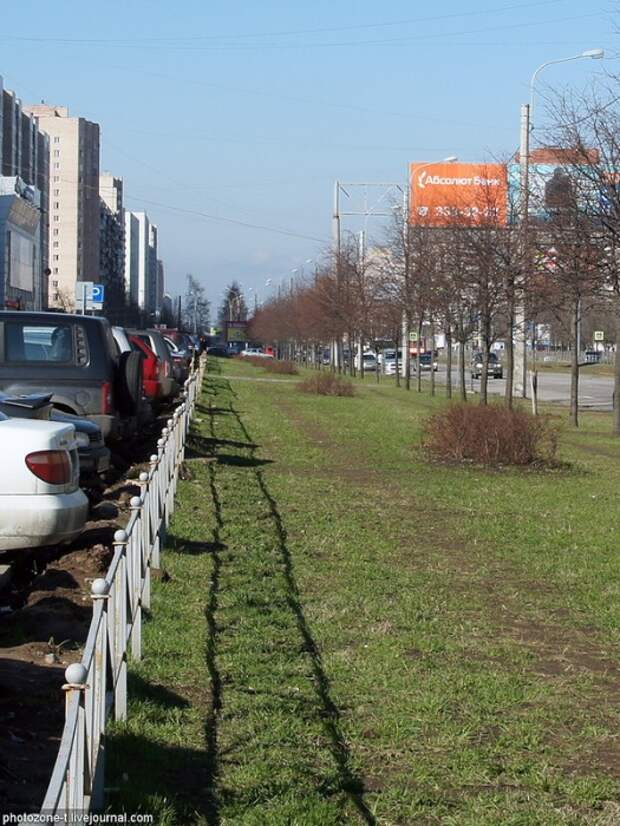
(595, 392)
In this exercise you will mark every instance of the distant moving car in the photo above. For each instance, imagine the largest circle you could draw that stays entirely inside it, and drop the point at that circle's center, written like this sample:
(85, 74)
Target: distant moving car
(494, 369)
(75, 358)
(388, 361)
(369, 361)
(427, 361)
(40, 499)
(93, 454)
(255, 352)
(219, 351)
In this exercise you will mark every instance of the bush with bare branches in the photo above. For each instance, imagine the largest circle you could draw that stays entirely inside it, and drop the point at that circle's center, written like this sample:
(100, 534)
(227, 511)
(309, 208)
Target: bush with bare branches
(284, 367)
(327, 384)
(490, 435)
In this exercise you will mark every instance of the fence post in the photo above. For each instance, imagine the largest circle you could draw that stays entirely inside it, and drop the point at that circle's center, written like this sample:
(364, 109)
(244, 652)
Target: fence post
(75, 689)
(119, 627)
(135, 565)
(99, 593)
(154, 508)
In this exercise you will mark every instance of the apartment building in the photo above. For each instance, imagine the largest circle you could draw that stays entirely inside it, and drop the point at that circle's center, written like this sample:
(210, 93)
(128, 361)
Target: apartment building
(112, 245)
(141, 262)
(24, 188)
(74, 214)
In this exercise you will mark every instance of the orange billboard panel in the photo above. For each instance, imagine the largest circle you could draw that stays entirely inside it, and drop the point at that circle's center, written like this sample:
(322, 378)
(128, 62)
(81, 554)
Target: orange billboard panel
(470, 194)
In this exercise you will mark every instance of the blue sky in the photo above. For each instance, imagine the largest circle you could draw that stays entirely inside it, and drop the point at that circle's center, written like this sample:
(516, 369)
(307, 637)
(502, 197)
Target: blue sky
(250, 111)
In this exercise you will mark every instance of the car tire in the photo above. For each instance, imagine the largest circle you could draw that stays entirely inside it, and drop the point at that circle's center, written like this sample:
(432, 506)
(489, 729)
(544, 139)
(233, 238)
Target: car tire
(129, 389)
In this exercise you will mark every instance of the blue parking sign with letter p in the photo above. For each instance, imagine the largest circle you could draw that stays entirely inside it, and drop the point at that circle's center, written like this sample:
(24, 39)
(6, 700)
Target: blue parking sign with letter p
(98, 294)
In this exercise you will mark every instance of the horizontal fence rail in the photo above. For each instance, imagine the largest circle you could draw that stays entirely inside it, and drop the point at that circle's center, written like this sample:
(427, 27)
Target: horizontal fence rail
(97, 686)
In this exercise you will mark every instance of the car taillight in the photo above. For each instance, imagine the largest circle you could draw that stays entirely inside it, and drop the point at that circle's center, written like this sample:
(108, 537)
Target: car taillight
(51, 466)
(166, 369)
(106, 397)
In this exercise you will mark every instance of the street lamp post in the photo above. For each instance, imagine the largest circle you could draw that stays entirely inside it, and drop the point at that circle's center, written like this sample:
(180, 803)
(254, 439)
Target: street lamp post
(520, 357)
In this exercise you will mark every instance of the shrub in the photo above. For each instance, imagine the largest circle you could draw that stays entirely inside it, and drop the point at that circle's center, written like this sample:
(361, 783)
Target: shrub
(255, 361)
(276, 366)
(327, 384)
(490, 435)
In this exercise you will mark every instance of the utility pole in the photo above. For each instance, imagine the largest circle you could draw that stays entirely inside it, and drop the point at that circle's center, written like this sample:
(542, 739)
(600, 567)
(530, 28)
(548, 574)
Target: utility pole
(520, 333)
(336, 345)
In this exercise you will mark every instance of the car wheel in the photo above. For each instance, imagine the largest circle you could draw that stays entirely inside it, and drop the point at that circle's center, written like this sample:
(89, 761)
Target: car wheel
(129, 383)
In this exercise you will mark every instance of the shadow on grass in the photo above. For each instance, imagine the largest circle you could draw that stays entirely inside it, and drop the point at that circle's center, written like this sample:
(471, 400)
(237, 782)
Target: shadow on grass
(189, 546)
(241, 461)
(207, 444)
(349, 781)
(145, 775)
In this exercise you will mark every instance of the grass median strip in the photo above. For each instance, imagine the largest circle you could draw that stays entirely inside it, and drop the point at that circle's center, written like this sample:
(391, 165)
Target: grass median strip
(352, 634)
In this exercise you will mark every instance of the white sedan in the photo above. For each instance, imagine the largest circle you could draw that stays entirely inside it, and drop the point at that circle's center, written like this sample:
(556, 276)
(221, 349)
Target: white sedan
(255, 352)
(40, 499)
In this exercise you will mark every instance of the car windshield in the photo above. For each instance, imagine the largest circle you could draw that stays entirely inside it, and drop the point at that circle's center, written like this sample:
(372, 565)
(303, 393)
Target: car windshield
(480, 357)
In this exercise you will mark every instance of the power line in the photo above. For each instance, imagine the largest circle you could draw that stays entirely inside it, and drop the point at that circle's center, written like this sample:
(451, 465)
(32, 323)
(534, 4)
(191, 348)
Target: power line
(322, 30)
(233, 47)
(247, 224)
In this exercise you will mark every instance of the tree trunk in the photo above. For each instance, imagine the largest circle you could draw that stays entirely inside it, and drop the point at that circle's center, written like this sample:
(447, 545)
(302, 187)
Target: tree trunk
(397, 360)
(432, 376)
(616, 397)
(574, 372)
(509, 365)
(407, 355)
(462, 388)
(449, 364)
(417, 359)
(484, 376)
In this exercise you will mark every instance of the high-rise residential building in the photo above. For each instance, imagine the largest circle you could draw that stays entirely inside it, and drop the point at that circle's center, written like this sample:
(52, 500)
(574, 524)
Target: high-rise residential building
(160, 283)
(24, 186)
(74, 224)
(141, 261)
(112, 246)
(151, 300)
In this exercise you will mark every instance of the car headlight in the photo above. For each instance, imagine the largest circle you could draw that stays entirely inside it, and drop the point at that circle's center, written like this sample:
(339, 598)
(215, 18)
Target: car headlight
(82, 439)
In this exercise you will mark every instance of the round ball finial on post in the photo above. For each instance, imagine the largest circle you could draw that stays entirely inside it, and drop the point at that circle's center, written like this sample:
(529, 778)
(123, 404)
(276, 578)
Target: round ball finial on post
(99, 588)
(120, 537)
(76, 675)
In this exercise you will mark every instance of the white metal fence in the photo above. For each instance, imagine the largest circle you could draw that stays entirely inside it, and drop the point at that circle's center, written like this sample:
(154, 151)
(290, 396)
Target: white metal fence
(97, 686)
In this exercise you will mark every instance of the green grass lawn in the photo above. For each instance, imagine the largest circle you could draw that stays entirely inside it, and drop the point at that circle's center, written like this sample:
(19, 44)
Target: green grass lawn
(348, 633)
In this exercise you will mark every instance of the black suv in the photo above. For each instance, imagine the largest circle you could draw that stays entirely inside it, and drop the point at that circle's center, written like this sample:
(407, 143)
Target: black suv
(494, 370)
(75, 358)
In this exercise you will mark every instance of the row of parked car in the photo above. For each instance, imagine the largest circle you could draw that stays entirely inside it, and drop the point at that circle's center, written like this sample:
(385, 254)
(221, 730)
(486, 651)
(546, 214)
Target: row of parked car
(71, 386)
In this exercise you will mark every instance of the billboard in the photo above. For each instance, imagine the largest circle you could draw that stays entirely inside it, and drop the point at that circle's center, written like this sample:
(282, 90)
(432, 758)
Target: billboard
(236, 331)
(452, 194)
